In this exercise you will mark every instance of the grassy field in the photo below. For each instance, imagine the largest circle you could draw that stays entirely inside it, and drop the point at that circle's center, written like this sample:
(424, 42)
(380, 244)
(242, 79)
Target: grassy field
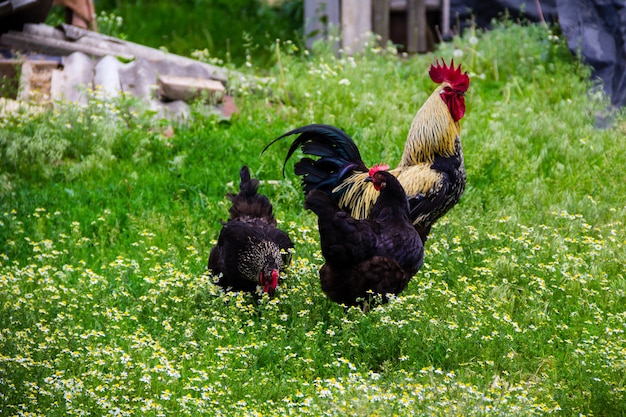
(231, 31)
(106, 221)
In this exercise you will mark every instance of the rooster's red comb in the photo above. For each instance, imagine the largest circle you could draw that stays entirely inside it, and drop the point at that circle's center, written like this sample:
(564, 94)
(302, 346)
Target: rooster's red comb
(453, 76)
(376, 168)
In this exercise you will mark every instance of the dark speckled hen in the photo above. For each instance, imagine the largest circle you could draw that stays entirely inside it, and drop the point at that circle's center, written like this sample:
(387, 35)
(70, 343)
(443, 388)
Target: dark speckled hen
(251, 252)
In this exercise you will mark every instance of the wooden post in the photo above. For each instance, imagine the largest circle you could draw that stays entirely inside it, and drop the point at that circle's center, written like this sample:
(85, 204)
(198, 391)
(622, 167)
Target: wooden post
(421, 27)
(356, 23)
(320, 17)
(416, 22)
(411, 26)
(381, 10)
(445, 19)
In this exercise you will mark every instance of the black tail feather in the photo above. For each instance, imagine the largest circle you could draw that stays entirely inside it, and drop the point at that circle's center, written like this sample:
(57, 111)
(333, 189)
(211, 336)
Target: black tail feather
(247, 186)
(247, 203)
(337, 152)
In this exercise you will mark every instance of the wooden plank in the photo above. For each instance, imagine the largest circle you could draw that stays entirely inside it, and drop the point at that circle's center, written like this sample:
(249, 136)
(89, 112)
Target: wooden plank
(53, 41)
(356, 24)
(50, 45)
(380, 19)
(173, 87)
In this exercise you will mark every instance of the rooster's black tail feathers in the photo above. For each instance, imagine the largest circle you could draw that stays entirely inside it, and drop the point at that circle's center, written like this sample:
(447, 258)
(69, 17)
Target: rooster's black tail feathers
(337, 152)
(247, 204)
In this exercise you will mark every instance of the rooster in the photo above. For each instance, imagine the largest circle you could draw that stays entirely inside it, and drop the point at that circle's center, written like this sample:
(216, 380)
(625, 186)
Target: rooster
(431, 171)
(251, 251)
(377, 255)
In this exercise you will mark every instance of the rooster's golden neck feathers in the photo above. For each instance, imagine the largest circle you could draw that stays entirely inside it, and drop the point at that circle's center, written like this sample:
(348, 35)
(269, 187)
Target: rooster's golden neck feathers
(432, 132)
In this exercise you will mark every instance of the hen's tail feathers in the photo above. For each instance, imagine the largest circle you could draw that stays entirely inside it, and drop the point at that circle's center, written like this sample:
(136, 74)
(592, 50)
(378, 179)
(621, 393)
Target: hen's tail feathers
(247, 204)
(338, 156)
(247, 186)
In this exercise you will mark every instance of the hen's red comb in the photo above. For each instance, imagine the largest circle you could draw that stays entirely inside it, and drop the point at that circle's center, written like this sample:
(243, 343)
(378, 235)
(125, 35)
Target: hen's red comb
(376, 168)
(453, 76)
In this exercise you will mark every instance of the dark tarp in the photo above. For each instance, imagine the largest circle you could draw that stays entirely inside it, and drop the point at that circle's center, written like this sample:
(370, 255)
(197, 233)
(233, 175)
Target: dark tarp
(598, 30)
(595, 29)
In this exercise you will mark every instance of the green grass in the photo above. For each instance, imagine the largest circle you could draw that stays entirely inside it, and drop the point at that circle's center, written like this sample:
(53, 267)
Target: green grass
(106, 224)
(231, 31)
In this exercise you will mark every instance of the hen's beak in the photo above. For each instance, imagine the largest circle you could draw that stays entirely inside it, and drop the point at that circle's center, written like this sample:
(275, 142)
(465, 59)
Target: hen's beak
(269, 282)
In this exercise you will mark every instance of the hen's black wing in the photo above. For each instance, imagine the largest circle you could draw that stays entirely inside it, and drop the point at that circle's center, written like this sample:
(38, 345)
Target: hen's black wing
(344, 240)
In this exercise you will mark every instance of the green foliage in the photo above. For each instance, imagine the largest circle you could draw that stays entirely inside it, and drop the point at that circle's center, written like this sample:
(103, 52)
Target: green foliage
(9, 84)
(107, 215)
(229, 29)
(110, 24)
(70, 140)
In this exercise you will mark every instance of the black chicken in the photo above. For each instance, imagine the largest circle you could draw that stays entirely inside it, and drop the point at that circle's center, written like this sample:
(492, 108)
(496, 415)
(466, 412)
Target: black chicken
(378, 255)
(251, 251)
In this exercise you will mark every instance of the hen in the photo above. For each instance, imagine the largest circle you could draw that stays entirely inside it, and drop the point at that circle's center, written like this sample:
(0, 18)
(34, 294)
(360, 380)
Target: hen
(377, 255)
(251, 251)
(431, 171)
